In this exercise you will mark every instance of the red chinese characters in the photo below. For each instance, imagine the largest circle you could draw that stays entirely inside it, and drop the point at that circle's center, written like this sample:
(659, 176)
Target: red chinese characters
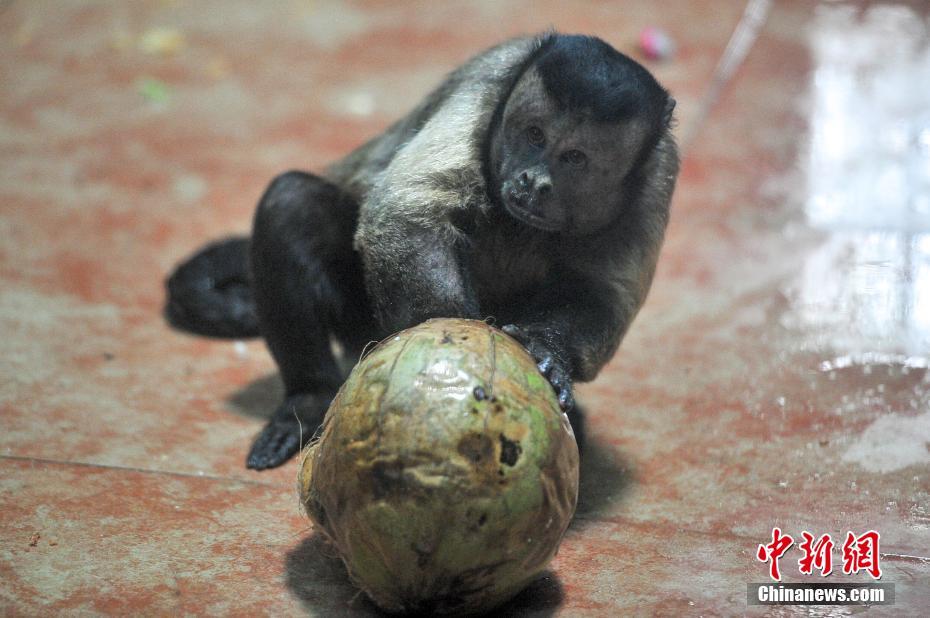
(861, 553)
(819, 554)
(773, 551)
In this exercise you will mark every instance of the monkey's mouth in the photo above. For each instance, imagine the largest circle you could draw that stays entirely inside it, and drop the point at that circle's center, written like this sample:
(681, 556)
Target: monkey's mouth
(518, 206)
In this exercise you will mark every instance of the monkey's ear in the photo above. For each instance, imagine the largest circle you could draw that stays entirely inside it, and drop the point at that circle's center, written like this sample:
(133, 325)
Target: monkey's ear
(667, 114)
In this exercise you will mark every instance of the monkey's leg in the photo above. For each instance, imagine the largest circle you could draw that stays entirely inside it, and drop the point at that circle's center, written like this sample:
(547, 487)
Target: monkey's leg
(308, 286)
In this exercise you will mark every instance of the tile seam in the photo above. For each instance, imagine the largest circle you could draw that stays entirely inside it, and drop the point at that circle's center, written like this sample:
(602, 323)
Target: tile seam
(151, 471)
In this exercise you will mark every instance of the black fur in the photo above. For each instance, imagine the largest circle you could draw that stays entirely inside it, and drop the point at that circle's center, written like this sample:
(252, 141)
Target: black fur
(585, 73)
(453, 213)
(210, 294)
(308, 286)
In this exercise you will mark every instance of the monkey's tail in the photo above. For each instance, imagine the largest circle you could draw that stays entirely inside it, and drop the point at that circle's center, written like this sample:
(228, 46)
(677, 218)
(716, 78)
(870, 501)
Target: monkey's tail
(210, 293)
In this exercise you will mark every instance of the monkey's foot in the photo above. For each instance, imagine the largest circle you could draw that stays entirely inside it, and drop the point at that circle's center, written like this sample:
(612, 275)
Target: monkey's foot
(549, 363)
(291, 427)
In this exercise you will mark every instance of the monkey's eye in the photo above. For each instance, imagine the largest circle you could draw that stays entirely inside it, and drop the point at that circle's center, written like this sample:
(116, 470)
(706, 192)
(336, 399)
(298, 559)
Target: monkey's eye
(535, 136)
(575, 158)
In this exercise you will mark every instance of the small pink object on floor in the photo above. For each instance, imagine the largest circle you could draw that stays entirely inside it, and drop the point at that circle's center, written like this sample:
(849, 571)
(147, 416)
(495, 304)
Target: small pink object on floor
(656, 43)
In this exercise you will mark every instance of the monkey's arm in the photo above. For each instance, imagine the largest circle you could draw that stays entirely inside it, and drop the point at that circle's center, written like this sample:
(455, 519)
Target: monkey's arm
(574, 326)
(413, 273)
(469, 93)
(408, 243)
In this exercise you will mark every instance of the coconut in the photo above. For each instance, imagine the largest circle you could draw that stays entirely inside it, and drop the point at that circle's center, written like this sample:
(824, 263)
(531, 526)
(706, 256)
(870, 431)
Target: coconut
(445, 474)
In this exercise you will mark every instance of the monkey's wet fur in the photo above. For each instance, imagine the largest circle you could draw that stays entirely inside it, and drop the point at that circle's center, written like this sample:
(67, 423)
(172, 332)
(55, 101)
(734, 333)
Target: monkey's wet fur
(532, 185)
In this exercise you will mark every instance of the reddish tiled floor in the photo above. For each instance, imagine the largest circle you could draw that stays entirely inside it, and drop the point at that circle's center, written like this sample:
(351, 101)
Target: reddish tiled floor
(778, 374)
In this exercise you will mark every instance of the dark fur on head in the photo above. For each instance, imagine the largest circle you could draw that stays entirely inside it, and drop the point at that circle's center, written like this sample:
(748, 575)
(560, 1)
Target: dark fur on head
(585, 73)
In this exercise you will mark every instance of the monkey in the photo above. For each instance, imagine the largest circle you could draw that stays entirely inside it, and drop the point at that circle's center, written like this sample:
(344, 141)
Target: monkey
(533, 186)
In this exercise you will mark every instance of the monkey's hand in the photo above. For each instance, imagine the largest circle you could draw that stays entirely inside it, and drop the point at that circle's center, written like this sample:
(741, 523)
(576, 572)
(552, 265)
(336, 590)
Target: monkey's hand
(549, 361)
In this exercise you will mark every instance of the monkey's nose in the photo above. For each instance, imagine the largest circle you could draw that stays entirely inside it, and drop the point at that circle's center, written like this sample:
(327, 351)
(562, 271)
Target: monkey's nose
(539, 183)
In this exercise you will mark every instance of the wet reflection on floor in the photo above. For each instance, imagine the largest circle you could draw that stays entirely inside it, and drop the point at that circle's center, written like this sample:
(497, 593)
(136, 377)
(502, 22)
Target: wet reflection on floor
(867, 288)
(864, 294)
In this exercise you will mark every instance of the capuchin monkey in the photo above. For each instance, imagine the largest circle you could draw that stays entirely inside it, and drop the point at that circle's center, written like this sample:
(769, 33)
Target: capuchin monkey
(532, 186)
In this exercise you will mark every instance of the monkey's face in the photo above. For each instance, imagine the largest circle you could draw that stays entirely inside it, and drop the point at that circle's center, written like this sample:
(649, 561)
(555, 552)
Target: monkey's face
(559, 170)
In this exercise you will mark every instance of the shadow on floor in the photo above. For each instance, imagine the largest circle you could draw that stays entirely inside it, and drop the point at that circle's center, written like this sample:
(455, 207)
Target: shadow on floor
(605, 475)
(260, 398)
(317, 577)
(541, 598)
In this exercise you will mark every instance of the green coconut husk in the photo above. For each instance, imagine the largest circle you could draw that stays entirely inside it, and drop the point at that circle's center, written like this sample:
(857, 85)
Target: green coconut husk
(446, 474)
